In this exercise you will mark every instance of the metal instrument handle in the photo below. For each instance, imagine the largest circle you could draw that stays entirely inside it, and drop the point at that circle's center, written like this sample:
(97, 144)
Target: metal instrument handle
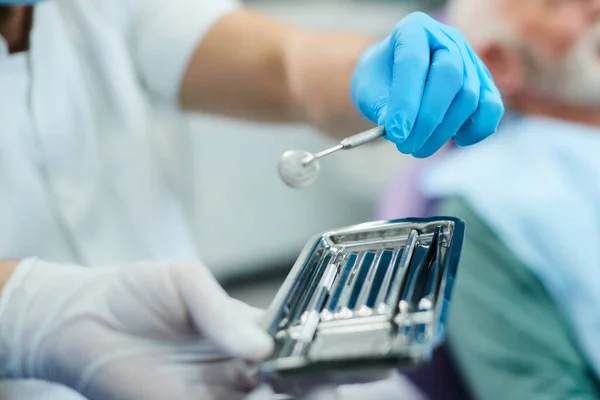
(362, 138)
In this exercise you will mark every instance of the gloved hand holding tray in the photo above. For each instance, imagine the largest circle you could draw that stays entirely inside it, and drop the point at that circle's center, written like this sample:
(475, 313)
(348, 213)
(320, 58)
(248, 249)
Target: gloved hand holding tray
(363, 299)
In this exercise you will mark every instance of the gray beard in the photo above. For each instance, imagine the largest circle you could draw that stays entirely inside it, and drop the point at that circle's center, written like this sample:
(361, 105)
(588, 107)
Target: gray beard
(574, 80)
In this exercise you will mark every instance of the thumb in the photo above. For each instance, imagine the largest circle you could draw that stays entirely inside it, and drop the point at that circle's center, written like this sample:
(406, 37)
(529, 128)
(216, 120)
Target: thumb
(220, 318)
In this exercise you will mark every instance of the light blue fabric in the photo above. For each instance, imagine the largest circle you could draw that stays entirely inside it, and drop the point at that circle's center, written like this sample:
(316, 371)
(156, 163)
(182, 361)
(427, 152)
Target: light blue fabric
(426, 85)
(537, 184)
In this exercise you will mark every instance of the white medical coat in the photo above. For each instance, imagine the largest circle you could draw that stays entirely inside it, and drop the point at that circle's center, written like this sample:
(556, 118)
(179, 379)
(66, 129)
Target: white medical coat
(79, 178)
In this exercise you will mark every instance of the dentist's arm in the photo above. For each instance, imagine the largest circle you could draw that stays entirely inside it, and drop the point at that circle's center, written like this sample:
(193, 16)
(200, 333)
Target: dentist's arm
(255, 67)
(423, 82)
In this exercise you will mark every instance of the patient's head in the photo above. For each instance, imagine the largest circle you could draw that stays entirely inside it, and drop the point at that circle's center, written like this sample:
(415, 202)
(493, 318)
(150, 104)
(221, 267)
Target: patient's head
(537, 50)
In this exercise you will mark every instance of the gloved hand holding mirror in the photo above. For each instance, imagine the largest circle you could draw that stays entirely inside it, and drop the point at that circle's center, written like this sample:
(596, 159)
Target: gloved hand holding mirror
(423, 85)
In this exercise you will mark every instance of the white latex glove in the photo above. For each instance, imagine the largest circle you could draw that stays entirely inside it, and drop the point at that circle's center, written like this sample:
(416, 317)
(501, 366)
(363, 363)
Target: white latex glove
(146, 331)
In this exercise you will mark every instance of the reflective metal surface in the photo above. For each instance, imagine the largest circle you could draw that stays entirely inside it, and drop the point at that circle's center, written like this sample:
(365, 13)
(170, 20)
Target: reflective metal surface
(364, 299)
(296, 173)
(300, 169)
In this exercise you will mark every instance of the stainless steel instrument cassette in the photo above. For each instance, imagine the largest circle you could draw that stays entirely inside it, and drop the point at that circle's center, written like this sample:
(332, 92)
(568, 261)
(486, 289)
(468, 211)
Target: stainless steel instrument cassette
(366, 298)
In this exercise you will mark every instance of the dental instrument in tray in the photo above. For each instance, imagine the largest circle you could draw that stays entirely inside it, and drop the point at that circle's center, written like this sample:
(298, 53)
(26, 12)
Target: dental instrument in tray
(300, 169)
(363, 299)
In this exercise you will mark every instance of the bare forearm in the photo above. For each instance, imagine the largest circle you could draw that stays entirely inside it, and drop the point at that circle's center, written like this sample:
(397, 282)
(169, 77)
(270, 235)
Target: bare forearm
(254, 67)
(6, 270)
(239, 70)
(320, 70)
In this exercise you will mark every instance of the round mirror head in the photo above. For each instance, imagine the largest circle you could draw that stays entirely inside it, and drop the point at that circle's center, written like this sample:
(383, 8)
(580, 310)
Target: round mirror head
(295, 172)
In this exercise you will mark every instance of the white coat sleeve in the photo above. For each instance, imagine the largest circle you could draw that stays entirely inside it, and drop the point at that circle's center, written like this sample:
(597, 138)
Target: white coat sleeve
(163, 37)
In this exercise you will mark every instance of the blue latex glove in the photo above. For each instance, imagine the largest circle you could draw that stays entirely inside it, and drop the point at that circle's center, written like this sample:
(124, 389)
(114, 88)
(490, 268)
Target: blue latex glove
(426, 85)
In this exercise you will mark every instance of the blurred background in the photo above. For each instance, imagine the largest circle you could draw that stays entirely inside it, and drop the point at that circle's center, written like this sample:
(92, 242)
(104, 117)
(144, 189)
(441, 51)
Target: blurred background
(250, 226)
(517, 310)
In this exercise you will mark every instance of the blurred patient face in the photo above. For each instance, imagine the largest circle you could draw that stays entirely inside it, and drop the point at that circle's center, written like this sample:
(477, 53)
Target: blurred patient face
(559, 50)
(554, 26)
(545, 49)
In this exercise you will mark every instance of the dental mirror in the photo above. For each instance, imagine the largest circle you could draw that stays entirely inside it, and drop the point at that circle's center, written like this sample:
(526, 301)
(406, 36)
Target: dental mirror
(300, 169)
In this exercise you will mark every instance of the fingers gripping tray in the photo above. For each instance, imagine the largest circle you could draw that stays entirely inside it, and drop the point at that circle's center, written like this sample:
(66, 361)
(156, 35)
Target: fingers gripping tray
(368, 297)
